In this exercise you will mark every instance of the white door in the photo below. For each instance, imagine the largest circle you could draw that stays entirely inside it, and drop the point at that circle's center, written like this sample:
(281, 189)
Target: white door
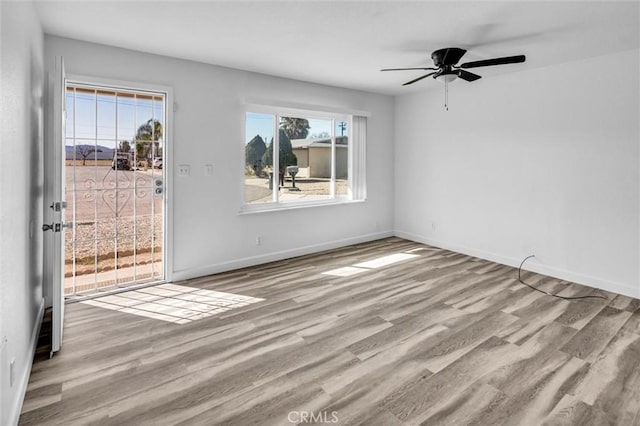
(54, 226)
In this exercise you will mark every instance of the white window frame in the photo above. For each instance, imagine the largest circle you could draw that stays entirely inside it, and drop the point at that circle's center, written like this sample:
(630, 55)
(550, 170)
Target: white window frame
(323, 114)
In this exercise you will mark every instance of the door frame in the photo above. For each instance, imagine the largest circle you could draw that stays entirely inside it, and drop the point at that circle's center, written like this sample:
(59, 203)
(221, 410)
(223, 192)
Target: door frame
(167, 154)
(53, 260)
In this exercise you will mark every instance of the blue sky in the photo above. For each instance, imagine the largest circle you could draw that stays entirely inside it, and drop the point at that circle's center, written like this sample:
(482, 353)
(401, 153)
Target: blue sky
(262, 124)
(92, 113)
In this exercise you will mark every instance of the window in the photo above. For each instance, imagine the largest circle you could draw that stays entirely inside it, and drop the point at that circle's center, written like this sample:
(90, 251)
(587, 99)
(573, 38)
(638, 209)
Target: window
(301, 158)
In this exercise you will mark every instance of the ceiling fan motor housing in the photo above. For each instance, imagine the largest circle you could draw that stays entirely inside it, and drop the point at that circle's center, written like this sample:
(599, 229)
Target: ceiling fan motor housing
(447, 56)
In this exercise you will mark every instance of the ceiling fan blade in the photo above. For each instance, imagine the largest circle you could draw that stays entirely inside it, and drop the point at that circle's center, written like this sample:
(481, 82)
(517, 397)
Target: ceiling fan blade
(468, 76)
(418, 79)
(406, 69)
(496, 61)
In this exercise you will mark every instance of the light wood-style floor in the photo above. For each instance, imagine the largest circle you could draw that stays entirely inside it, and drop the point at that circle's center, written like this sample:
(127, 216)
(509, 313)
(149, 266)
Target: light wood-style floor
(438, 339)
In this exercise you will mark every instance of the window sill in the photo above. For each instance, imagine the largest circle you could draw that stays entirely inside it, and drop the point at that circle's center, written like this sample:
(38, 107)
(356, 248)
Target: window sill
(275, 207)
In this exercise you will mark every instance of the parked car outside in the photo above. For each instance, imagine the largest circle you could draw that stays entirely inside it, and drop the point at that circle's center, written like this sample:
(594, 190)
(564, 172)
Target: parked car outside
(157, 162)
(121, 161)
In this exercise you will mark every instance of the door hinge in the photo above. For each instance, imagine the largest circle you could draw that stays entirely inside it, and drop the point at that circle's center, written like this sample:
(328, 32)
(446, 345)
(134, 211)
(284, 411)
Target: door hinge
(57, 206)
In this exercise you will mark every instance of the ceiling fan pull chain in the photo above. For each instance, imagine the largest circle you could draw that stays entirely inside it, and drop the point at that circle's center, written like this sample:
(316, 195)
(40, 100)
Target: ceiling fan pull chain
(446, 94)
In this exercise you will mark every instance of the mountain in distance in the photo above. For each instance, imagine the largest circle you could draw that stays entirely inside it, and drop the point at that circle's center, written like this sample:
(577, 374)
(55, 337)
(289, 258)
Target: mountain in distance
(104, 153)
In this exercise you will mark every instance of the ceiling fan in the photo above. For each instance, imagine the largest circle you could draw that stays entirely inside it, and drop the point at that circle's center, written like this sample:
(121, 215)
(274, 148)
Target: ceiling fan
(445, 61)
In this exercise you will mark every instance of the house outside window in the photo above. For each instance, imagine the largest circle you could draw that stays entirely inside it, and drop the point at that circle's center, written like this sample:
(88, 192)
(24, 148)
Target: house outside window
(301, 159)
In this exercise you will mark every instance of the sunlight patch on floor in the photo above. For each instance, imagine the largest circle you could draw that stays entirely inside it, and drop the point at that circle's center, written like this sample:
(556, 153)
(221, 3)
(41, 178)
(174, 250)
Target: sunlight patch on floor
(416, 249)
(379, 262)
(173, 303)
(346, 271)
(385, 260)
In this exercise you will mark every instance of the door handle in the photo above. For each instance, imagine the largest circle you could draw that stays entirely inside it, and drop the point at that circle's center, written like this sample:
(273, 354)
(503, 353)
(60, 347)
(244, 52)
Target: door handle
(56, 227)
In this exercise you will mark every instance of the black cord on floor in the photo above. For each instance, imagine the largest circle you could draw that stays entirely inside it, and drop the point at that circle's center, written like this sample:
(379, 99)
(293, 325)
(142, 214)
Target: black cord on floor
(551, 294)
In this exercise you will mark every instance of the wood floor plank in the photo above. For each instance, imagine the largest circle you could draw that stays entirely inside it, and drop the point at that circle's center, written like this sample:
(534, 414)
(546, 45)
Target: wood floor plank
(388, 360)
(578, 315)
(535, 358)
(633, 323)
(356, 399)
(572, 411)
(404, 328)
(528, 325)
(217, 400)
(531, 401)
(593, 338)
(467, 406)
(625, 303)
(422, 397)
(438, 338)
(42, 396)
(613, 381)
(465, 339)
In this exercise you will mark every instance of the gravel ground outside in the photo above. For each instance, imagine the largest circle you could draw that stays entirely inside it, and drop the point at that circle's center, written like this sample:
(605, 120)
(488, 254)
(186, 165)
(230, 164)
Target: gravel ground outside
(113, 211)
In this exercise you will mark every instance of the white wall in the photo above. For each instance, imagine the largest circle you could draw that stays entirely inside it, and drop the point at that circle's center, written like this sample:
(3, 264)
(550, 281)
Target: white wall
(21, 149)
(544, 162)
(209, 234)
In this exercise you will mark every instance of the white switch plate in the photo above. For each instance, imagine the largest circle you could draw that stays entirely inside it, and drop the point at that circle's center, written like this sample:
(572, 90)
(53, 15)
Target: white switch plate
(208, 169)
(184, 170)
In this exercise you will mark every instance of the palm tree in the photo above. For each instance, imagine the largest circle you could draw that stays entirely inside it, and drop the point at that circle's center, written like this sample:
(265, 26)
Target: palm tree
(146, 139)
(124, 146)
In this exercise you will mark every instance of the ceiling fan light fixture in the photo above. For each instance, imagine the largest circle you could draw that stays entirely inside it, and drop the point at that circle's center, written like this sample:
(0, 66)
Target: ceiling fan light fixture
(448, 78)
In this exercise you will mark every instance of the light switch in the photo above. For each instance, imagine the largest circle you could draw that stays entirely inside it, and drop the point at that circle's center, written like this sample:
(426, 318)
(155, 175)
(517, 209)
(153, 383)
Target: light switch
(208, 169)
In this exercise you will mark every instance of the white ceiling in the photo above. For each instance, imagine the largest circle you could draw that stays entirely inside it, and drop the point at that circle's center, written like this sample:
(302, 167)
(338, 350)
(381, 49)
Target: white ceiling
(346, 43)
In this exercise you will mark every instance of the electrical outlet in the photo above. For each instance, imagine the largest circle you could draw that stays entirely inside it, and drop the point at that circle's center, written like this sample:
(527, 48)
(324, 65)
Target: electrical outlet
(259, 240)
(12, 372)
(184, 170)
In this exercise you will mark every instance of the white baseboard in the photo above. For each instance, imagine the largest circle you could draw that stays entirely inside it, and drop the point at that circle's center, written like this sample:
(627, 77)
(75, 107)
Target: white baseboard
(532, 266)
(271, 257)
(23, 378)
